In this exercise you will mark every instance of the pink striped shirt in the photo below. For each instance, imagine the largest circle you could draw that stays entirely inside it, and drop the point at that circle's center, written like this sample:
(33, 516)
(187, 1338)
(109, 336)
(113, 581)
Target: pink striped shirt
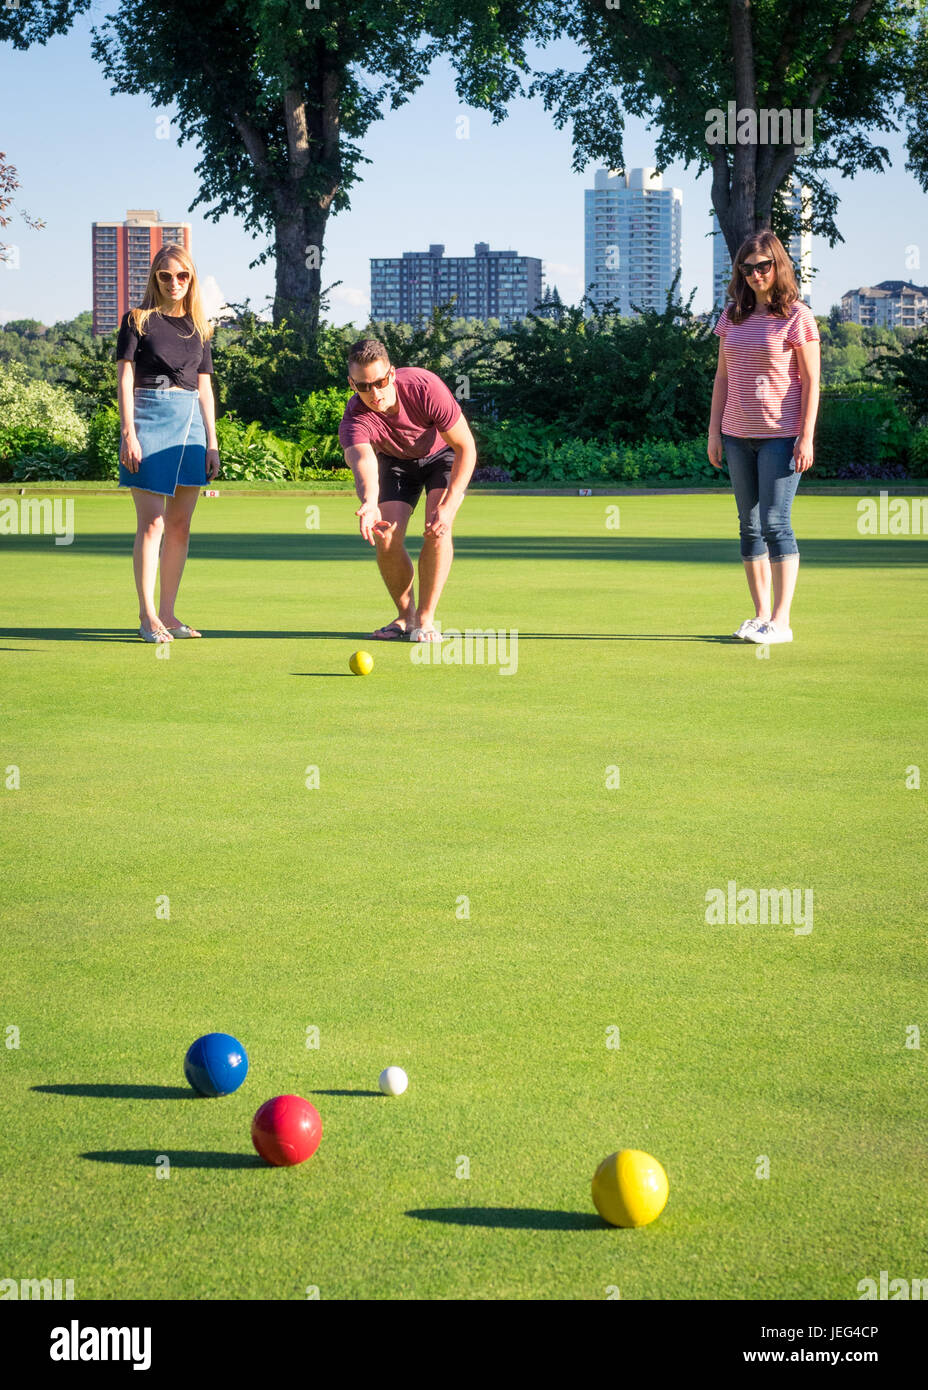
(764, 386)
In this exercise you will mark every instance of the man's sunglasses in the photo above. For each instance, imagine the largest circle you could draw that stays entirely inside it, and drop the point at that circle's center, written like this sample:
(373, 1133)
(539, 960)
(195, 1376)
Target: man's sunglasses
(749, 268)
(371, 385)
(166, 276)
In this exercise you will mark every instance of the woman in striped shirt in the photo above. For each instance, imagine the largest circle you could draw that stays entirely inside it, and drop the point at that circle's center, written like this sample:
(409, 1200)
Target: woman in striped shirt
(764, 405)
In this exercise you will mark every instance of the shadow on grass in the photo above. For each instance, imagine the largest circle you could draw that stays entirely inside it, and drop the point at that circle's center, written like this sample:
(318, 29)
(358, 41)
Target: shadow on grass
(72, 634)
(122, 634)
(851, 549)
(108, 1092)
(512, 1218)
(347, 1093)
(180, 1158)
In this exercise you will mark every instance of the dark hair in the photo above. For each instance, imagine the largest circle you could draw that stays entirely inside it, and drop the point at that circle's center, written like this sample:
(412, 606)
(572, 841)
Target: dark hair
(783, 294)
(367, 350)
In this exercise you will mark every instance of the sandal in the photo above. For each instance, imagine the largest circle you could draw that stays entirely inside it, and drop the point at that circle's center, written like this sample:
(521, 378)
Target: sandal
(391, 633)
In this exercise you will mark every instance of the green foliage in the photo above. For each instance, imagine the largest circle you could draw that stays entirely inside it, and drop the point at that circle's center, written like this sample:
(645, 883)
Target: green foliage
(545, 456)
(87, 366)
(260, 367)
(22, 26)
(907, 371)
(918, 454)
(279, 98)
(244, 451)
(616, 378)
(671, 62)
(48, 463)
(851, 353)
(312, 423)
(26, 404)
(103, 440)
(439, 343)
(860, 433)
(249, 453)
(42, 350)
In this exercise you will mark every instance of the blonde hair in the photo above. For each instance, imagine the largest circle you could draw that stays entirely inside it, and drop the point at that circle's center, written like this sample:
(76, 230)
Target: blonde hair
(151, 300)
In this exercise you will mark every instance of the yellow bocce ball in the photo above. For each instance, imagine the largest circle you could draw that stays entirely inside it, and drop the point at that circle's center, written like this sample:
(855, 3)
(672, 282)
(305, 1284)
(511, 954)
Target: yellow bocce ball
(362, 663)
(630, 1188)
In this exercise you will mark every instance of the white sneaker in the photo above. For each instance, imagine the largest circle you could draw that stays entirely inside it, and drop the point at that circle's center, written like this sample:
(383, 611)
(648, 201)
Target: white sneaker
(746, 627)
(768, 633)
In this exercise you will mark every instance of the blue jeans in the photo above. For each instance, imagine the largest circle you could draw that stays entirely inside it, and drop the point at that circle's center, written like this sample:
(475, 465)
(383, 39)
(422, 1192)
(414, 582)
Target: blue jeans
(764, 484)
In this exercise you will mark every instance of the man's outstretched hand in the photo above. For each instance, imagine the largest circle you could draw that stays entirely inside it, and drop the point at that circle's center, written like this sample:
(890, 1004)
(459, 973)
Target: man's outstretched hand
(371, 522)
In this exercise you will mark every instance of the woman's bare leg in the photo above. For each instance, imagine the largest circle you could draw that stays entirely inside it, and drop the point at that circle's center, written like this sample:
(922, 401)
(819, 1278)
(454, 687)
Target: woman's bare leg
(177, 516)
(149, 510)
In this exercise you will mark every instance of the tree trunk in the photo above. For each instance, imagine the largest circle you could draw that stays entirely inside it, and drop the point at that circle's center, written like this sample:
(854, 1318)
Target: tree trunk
(741, 218)
(298, 241)
(313, 138)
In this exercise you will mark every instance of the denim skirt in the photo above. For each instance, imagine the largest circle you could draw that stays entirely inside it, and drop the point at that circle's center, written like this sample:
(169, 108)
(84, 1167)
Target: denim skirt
(172, 436)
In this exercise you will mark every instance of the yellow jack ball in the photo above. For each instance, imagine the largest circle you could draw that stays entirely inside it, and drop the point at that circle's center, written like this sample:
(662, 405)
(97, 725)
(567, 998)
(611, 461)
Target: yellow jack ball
(362, 663)
(630, 1188)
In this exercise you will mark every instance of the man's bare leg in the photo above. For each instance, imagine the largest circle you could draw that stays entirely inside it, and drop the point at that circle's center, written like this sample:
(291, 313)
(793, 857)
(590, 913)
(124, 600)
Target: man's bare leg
(434, 564)
(394, 563)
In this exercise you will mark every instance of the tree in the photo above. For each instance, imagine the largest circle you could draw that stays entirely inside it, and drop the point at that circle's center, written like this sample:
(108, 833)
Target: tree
(278, 95)
(25, 22)
(551, 306)
(9, 182)
(604, 376)
(907, 372)
(758, 91)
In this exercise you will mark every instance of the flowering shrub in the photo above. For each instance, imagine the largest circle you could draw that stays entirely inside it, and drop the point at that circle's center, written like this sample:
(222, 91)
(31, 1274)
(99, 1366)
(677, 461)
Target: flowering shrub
(45, 411)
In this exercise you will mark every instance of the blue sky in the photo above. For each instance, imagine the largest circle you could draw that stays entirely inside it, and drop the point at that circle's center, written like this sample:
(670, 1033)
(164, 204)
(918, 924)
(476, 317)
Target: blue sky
(84, 155)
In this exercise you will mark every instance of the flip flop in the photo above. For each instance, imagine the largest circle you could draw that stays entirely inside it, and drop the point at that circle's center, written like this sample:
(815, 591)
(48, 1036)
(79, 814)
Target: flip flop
(149, 634)
(434, 635)
(400, 634)
(182, 631)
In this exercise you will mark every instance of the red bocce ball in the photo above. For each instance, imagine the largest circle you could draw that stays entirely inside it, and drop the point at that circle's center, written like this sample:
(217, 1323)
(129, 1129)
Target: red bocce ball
(286, 1130)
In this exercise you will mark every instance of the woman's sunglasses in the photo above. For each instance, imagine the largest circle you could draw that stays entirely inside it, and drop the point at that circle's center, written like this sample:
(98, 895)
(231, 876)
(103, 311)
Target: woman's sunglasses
(166, 276)
(749, 268)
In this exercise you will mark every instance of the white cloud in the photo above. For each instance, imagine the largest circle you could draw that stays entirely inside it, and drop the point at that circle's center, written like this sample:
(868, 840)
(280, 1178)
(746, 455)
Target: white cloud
(213, 297)
(346, 294)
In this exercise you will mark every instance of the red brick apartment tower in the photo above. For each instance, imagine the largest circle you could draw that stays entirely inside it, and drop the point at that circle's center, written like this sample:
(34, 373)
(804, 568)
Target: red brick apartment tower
(122, 257)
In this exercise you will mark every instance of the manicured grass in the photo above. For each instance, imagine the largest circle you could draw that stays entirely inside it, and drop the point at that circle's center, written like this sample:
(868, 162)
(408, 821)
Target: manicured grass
(343, 908)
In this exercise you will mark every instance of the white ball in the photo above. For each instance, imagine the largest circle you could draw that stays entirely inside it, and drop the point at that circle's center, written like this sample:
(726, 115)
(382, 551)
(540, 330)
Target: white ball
(393, 1081)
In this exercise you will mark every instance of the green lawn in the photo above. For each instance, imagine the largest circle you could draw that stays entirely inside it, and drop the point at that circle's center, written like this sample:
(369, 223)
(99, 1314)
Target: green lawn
(341, 908)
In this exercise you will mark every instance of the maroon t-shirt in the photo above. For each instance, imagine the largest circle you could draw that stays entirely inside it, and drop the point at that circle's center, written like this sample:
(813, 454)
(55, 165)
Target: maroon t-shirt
(425, 407)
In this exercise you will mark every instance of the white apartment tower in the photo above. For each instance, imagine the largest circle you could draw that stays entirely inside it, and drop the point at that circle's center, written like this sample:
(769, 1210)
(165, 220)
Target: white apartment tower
(632, 234)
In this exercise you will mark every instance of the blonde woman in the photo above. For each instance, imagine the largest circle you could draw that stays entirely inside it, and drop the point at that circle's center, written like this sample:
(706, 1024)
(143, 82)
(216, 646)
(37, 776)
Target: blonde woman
(167, 415)
(764, 405)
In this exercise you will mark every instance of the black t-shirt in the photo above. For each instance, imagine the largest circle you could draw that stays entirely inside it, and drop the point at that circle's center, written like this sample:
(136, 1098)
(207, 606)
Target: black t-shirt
(169, 353)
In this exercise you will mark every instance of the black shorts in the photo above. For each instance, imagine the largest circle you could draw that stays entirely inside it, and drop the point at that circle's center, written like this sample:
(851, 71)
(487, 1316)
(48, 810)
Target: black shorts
(402, 480)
